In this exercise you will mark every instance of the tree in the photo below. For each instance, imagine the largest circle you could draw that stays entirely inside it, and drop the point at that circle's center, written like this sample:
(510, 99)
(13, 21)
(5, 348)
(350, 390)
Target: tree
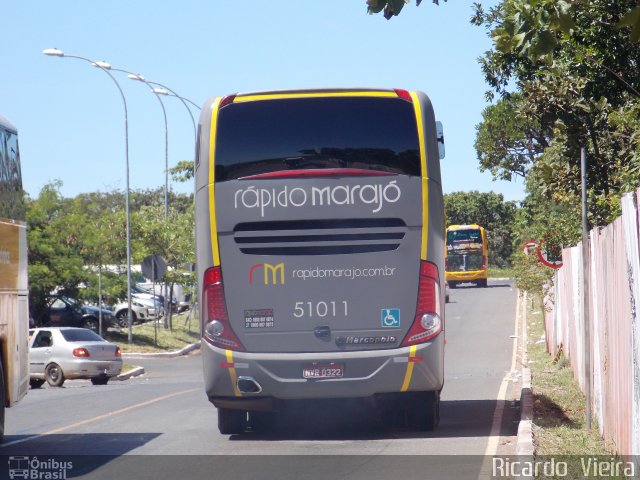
(489, 210)
(506, 141)
(172, 239)
(390, 8)
(53, 264)
(566, 94)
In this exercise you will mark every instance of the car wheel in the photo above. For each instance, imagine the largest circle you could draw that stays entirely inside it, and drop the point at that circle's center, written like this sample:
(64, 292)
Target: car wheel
(123, 318)
(91, 323)
(53, 374)
(231, 422)
(36, 382)
(100, 380)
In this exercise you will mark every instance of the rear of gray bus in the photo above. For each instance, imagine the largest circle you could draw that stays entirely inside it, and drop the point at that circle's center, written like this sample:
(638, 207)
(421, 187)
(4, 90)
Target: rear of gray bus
(320, 243)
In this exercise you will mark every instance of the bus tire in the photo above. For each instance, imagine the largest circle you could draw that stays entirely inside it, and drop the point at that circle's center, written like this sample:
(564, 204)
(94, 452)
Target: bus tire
(231, 421)
(453, 284)
(3, 400)
(425, 411)
(262, 422)
(36, 382)
(482, 283)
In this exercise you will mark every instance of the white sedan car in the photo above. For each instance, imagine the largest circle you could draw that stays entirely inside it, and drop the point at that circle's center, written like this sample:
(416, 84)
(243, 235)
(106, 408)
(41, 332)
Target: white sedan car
(142, 310)
(60, 353)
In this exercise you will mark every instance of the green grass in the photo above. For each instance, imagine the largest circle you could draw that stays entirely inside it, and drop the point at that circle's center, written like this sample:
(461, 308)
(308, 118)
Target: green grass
(495, 272)
(558, 404)
(144, 336)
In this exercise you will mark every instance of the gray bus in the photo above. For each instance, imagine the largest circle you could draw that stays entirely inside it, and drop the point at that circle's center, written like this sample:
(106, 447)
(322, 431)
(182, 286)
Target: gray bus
(320, 252)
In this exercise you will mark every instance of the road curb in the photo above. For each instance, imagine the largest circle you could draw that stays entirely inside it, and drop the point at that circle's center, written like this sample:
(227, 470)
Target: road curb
(176, 353)
(131, 373)
(524, 447)
(525, 427)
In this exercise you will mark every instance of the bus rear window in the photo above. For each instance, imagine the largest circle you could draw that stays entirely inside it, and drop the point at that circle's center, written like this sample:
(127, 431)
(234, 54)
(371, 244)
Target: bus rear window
(464, 236)
(266, 136)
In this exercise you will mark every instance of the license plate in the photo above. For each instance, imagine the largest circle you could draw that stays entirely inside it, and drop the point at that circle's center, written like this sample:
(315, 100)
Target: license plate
(328, 370)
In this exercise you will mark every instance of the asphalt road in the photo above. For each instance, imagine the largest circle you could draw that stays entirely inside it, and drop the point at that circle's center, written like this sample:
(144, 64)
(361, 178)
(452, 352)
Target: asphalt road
(164, 415)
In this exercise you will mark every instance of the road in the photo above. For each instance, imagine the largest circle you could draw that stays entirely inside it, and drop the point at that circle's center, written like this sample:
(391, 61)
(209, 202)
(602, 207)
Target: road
(165, 412)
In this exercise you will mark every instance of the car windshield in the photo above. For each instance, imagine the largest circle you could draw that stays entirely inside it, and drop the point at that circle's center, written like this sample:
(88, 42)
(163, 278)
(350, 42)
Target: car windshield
(81, 335)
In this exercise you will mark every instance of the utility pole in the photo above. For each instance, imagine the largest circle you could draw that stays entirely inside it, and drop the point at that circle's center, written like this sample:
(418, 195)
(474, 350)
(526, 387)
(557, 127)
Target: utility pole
(585, 288)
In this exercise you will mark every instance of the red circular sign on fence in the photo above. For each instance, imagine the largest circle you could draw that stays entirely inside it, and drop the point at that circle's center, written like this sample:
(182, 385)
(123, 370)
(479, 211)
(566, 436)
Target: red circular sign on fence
(551, 257)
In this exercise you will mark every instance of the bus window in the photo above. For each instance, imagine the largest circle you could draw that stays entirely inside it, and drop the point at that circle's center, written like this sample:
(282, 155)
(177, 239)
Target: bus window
(14, 377)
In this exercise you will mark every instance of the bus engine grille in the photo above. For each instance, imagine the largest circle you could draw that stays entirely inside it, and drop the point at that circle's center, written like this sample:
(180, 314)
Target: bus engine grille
(320, 237)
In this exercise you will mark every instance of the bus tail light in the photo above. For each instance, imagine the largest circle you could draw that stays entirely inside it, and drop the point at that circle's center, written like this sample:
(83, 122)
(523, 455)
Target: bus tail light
(428, 320)
(216, 328)
(228, 100)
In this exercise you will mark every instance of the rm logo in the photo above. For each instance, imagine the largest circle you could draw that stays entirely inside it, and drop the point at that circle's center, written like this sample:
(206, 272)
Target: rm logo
(268, 268)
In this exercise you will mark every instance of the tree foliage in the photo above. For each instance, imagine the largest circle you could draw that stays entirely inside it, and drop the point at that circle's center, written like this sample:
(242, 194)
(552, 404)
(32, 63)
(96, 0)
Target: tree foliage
(73, 240)
(577, 91)
(390, 8)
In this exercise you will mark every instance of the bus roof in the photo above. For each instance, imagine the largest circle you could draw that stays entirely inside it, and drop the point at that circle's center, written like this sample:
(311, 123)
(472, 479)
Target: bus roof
(461, 227)
(7, 124)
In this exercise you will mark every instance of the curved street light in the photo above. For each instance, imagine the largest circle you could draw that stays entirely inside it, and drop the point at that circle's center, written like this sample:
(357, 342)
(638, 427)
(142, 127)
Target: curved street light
(137, 77)
(164, 90)
(54, 52)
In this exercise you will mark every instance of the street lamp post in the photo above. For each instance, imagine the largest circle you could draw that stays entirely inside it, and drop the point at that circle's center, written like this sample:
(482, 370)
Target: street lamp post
(164, 90)
(140, 78)
(54, 52)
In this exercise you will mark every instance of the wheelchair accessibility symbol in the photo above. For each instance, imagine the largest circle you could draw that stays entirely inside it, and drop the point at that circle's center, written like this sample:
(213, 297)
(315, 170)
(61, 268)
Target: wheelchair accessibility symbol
(390, 317)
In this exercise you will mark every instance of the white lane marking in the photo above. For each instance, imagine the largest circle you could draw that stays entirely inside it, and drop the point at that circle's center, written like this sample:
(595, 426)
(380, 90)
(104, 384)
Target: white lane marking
(494, 436)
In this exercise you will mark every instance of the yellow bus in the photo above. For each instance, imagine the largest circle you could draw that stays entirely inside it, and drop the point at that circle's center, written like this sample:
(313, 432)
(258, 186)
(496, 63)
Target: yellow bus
(467, 255)
(14, 292)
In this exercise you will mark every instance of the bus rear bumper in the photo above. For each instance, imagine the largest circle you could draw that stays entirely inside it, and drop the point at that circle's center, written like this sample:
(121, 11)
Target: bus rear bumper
(461, 277)
(261, 381)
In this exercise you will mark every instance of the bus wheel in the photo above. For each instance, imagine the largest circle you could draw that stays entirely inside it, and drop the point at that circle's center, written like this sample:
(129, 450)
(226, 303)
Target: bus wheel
(262, 422)
(36, 382)
(482, 283)
(231, 422)
(2, 401)
(453, 284)
(425, 411)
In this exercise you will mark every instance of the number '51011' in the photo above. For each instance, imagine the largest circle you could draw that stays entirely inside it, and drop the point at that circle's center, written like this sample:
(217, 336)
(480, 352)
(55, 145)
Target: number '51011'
(321, 309)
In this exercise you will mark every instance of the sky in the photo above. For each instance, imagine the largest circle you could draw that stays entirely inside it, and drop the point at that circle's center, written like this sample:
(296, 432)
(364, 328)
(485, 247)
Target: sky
(70, 115)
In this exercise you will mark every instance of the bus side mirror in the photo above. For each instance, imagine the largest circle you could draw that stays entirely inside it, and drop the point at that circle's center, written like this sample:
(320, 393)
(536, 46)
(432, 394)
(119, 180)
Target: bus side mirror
(440, 136)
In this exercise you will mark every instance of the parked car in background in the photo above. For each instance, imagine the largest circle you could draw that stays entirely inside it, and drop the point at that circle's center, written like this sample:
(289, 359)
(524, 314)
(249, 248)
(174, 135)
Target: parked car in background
(60, 353)
(62, 311)
(142, 310)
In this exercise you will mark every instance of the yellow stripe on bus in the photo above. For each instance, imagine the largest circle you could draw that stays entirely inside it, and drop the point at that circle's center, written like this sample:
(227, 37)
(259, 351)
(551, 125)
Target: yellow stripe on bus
(232, 374)
(279, 96)
(425, 176)
(408, 375)
(212, 199)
